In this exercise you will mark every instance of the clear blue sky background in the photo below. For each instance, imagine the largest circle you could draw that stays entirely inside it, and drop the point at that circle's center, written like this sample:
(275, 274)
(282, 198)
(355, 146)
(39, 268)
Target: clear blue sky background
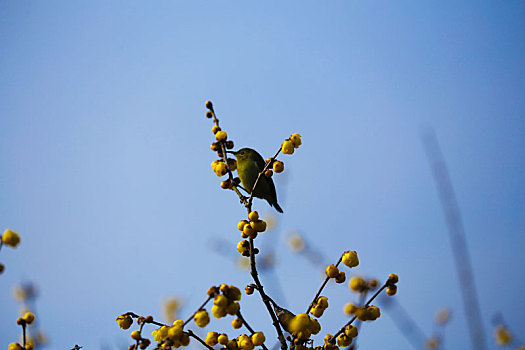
(105, 161)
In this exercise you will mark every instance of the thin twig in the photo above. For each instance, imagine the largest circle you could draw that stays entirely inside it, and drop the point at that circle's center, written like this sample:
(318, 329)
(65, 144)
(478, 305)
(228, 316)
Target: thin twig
(193, 335)
(265, 298)
(354, 318)
(199, 309)
(239, 315)
(322, 287)
(225, 159)
(24, 334)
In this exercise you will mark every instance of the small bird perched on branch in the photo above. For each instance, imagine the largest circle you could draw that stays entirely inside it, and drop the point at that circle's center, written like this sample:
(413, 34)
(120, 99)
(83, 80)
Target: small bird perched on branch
(249, 165)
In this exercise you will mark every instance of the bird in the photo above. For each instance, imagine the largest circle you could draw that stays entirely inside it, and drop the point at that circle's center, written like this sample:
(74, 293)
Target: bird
(249, 165)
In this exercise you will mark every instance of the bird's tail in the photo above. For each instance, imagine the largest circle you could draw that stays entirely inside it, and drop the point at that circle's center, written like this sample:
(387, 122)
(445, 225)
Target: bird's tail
(277, 207)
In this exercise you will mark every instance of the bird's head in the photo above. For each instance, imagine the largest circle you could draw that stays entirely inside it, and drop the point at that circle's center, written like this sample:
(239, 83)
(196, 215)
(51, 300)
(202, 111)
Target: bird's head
(244, 154)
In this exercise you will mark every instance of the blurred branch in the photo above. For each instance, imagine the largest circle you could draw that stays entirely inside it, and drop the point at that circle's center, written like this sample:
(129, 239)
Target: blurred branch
(406, 324)
(457, 238)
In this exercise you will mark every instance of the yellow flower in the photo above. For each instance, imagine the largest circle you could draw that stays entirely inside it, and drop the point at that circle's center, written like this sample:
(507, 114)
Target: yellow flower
(278, 166)
(314, 326)
(350, 258)
(185, 339)
(29, 317)
(218, 311)
(211, 338)
(175, 331)
(201, 318)
(288, 147)
(432, 343)
(215, 129)
(135, 335)
(369, 313)
(240, 225)
(221, 136)
(259, 225)
(299, 323)
(237, 323)
(170, 307)
(234, 293)
(351, 331)
(391, 290)
(15, 346)
(124, 321)
(220, 300)
(11, 239)
(243, 247)
(258, 338)
(253, 216)
(322, 302)
(502, 335)
(343, 340)
(443, 316)
(296, 242)
(296, 139)
(349, 309)
(341, 277)
(245, 343)
(220, 169)
(233, 308)
(357, 284)
(232, 345)
(249, 231)
(222, 339)
(332, 271)
(249, 289)
(393, 278)
(317, 311)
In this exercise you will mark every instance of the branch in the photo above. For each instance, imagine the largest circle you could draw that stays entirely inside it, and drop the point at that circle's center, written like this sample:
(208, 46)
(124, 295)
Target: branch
(321, 288)
(265, 298)
(332, 340)
(239, 315)
(199, 309)
(193, 335)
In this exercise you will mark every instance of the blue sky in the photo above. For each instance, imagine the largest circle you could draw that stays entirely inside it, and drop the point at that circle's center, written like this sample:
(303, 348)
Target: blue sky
(105, 161)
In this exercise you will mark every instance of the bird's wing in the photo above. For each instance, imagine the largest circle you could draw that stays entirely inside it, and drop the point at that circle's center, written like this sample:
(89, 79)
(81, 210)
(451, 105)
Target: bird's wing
(259, 160)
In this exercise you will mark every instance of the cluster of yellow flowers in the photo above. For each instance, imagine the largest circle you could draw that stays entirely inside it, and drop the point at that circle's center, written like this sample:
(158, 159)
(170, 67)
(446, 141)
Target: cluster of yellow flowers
(225, 303)
(23, 321)
(360, 285)
(289, 145)
(345, 339)
(249, 229)
(220, 168)
(320, 306)
(391, 288)
(242, 342)
(303, 326)
(333, 272)
(170, 336)
(11, 239)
